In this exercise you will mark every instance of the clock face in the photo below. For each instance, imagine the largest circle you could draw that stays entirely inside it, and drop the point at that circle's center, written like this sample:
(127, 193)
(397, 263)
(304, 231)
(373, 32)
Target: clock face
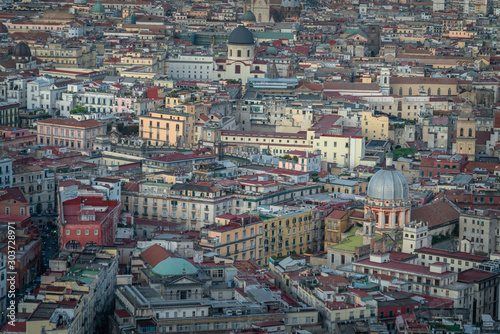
(209, 134)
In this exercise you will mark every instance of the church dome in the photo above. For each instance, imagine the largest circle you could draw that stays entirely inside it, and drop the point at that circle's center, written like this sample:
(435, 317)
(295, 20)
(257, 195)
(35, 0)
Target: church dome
(387, 185)
(271, 50)
(249, 17)
(241, 35)
(174, 266)
(98, 8)
(22, 50)
(3, 29)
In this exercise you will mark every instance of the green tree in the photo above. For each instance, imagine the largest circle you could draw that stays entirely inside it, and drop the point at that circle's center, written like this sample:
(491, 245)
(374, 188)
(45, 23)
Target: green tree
(295, 159)
(287, 157)
(78, 110)
(404, 152)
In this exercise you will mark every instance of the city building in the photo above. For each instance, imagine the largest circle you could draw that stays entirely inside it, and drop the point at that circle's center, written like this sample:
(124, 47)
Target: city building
(168, 128)
(70, 133)
(86, 221)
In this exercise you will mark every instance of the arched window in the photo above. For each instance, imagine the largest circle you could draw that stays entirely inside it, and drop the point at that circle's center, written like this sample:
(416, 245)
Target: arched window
(400, 91)
(410, 91)
(231, 52)
(7, 210)
(385, 80)
(400, 106)
(461, 132)
(439, 91)
(449, 91)
(391, 91)
(22, 212)
(260, 17)
(470, 132)
(429, 92)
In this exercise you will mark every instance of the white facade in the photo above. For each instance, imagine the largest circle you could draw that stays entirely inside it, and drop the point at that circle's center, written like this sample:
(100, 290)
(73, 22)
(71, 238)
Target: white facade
(33, 88)
(97, 102)
(191, 67)
(5, 173)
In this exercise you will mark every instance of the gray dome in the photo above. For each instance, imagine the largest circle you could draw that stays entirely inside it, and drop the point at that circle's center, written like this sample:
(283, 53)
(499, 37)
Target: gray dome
(22, 50)
(241, 35)
(388, 185)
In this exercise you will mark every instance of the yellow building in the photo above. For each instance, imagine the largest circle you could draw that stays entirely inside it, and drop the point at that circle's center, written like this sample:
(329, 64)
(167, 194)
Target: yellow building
(236, 240)
(374, 126)
(167, 127)
(344, 150)
(346, 186)
(426, 85)
(65, 55)
(290, 233)
(335, 224)
(466, 134)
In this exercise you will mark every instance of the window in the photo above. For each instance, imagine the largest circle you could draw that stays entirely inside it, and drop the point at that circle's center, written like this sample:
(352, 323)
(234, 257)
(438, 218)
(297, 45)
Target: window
(239, 53)
(237, 69)
(96, 231)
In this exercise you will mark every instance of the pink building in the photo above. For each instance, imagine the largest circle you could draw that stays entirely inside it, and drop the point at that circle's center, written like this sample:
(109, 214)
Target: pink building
(301, 161)
(124, 104)
(69, 132)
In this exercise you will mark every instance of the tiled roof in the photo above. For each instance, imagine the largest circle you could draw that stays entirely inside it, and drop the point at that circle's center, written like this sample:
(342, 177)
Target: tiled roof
(90, 123)
(155, 254)
(435, 214)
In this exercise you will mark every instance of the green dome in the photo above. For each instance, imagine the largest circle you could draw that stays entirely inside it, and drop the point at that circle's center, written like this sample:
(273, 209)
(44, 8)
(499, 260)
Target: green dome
(249, 17)
(98, 8)
(271, 50)
(174, 267)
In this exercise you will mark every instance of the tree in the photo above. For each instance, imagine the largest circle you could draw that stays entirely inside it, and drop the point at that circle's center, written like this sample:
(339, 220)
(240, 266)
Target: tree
(295, 159)
(78, 110)
(404, 152)
(287, 157)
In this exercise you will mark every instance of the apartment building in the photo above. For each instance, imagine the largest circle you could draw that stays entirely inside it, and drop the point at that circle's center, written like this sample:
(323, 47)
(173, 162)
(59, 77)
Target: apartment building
(374, 126)
(66, 55)
(28, 248)
(193, 204)
(479, 231)
(38, 185)
(87, 221)
(70, 133)
(436, 280)
(289, 231)
(97, 101)
(335, 224)
(485, 279)
(239, 239)
(191, 67)
(459, 261)
(167, 127)
(340, 145)
(75, 301)
(9, 113)
(5, 172)
(437, 132)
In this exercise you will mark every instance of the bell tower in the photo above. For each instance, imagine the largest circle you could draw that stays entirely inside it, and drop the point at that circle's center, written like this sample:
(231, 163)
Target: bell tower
(369, 229)
(385, 81)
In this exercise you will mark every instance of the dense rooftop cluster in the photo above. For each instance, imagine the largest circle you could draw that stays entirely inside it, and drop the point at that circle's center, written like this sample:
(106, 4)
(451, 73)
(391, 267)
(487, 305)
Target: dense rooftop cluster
(257, 166)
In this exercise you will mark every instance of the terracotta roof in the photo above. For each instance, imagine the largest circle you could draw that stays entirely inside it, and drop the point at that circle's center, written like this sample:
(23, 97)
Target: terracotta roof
(473, 275)
(155, 254)
(423, 80)
(12, 194)
(90, 123)
(435, 214)
(337, 214)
